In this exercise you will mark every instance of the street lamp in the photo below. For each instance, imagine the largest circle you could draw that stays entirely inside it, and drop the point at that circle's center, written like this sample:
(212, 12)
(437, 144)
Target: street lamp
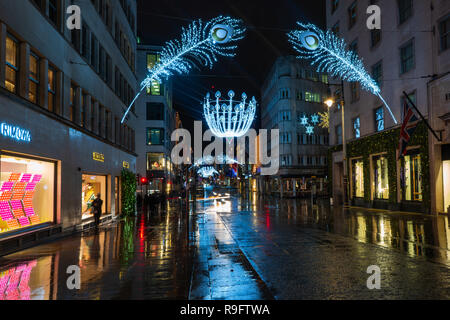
(329, 103)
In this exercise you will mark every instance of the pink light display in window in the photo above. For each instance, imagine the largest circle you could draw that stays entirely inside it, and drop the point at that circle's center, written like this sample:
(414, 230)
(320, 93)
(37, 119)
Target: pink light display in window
(16, 200)
(14, 282)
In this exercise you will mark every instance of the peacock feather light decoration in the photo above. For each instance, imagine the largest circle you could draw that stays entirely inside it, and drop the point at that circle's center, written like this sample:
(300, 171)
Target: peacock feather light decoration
(200, 46)
(329, 54)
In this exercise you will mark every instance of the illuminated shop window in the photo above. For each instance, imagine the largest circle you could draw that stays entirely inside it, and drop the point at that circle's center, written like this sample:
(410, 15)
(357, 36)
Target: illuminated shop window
(12, 64)
(27, 189)
(381, 177)
(90, 187)
(358, 178)
(156, 161)
(412, 178)
(156, 89)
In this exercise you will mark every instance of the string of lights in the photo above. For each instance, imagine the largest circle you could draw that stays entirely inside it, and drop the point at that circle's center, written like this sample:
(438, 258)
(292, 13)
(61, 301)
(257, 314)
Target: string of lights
(200, 45)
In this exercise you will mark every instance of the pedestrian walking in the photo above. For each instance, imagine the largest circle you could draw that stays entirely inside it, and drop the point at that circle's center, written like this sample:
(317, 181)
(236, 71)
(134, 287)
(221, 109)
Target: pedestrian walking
(97, 205)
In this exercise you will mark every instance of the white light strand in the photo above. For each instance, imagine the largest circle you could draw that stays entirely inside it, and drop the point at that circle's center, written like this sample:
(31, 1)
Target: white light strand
(229, 118)
(329, 53)
(200, 45)
(207, 172)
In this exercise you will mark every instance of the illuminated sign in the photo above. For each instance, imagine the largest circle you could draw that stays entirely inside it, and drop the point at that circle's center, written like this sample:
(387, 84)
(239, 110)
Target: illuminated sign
(126, 165)
(15, 133)
(98, 157)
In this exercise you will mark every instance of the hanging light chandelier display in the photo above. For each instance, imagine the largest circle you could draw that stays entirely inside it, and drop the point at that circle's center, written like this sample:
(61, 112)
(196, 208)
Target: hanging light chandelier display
(206, 172)
(228, 118)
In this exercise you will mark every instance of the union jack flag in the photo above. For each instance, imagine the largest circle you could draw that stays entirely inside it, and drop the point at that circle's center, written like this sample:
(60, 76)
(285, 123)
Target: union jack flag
(409, 125)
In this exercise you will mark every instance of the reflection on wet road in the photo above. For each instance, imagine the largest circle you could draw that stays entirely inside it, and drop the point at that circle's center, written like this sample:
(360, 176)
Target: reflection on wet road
(252, 248)
(140, 258)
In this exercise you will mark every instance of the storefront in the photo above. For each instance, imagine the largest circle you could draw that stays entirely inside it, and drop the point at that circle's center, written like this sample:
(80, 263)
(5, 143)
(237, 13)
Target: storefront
(92, 185)
(27, 191)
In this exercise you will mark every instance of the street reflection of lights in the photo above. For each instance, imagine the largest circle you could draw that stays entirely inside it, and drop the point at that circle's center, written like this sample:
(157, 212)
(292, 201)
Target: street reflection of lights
(220, 206)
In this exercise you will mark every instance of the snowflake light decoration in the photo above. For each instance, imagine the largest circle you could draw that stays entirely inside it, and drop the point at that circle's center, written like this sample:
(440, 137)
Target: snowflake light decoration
(329, 53)
(229, 118)
(206, 172)
(315, 119)
(309, 130)
(304, 120)
(200, 45)
(324, 120)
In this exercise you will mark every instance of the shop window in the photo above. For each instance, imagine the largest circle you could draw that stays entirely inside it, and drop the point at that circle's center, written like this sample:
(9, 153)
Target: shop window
(33, 86)
(91, 186)
(27, 192)
(358, 178)
(155, 89)
(156, 161)
(381, 177)
(12, 64)
(155, 136)
(446, 177)
(411, 176)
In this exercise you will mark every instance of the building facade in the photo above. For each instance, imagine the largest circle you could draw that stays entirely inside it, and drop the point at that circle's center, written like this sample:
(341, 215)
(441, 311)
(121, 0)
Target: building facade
(62, 95)
(156, 120)
(404, 56)
(293, 95)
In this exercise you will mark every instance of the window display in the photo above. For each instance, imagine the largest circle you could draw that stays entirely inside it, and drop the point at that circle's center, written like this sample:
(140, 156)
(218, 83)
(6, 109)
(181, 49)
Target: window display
(412, 178)
(156, 161)
(27, 190)
(91, 186)
(381, 177)
(358, 178)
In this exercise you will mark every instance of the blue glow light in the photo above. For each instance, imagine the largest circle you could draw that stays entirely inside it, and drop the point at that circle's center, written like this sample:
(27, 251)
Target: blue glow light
(206, 172)
(329, 54)
(229, 118)
(200, 45)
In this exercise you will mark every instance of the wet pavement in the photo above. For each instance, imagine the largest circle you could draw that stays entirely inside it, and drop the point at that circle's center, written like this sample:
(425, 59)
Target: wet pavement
(242, 249)
(140, 258)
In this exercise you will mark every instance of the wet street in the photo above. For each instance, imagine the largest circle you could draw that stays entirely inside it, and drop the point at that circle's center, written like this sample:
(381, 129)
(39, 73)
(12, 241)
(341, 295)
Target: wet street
(239, 249)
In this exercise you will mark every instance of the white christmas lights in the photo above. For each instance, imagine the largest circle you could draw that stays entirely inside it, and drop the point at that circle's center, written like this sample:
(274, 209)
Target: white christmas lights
(229, 118)
(329, 53)
(200, 45)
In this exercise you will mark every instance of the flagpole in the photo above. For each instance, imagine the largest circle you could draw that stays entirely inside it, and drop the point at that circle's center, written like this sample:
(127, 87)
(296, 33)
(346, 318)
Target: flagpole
(423, 118)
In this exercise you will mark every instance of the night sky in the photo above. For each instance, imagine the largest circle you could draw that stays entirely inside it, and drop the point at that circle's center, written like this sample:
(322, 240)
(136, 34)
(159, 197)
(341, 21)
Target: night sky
(267, 23)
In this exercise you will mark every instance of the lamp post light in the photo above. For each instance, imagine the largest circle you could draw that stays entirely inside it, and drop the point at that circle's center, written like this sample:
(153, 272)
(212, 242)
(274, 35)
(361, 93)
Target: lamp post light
(329, 103)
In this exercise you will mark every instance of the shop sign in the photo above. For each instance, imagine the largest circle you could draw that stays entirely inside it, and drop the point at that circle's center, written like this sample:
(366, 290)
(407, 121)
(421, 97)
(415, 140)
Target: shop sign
(98, 157)
(126, 165)
(15, 133)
